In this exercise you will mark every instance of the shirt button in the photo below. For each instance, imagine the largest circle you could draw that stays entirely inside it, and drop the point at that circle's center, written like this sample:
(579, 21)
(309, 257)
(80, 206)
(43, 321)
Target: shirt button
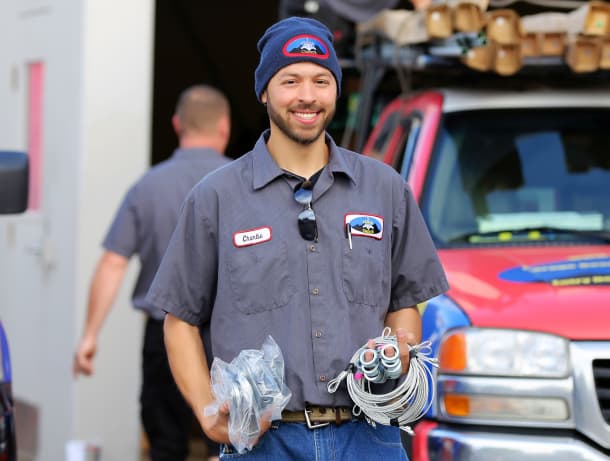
(315, 291)
(318, 334)
(323, 378)
(312, 248)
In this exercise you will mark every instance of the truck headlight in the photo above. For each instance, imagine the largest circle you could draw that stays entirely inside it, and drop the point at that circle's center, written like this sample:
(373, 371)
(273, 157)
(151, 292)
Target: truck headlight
(496, 352)
(505, 377)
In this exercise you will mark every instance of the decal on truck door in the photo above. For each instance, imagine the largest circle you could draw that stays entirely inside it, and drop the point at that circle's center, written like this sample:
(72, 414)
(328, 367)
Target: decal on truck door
(571, 272)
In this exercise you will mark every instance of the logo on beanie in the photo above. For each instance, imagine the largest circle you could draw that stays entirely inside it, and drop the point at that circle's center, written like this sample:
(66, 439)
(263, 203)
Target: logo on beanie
(305, 45)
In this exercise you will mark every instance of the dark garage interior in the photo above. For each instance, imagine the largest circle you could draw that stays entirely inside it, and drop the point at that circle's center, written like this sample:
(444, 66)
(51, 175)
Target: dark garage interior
(212, 43)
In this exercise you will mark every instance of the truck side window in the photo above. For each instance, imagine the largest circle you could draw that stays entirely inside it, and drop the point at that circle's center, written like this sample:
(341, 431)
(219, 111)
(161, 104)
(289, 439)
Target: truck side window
(382, 143)
(411, 127)
(396, 140)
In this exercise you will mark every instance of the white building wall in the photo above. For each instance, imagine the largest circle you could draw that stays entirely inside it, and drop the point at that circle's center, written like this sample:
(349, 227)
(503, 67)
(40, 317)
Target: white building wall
(96, 140)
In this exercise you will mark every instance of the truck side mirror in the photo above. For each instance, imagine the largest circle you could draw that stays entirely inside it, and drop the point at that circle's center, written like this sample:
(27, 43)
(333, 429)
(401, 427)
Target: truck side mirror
(13, 182)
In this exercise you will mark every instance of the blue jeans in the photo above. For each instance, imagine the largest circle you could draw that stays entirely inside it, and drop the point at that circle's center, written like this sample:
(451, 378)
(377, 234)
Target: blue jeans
(352, 440)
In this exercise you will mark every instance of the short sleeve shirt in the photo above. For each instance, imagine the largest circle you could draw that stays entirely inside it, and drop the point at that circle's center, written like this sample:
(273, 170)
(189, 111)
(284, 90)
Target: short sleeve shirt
(149, 212)
(237, 260)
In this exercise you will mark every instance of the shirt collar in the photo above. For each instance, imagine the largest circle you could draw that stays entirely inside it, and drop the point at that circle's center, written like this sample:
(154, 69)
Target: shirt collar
(193, 152)
(266, 170)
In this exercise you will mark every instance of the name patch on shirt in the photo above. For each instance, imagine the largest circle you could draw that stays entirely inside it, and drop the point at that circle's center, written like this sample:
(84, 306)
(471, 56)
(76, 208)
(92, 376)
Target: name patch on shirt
(365, 225)
(252, 237)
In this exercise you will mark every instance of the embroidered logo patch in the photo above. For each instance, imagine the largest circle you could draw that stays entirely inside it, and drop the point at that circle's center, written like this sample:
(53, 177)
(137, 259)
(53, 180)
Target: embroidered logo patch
(308, 45)
(252, 237)
(365, 225)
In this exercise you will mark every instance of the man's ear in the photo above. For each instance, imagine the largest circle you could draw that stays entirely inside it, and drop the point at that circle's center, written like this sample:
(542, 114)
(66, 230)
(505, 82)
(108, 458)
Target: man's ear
(264, 97)
(224, 126)
(176, 124)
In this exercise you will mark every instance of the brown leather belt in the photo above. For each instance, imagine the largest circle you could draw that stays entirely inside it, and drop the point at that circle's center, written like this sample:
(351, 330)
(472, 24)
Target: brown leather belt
(318, 416)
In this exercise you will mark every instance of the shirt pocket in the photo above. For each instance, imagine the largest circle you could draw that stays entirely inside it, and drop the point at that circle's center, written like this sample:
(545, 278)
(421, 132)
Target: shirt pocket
(365, 272)
(260, 278)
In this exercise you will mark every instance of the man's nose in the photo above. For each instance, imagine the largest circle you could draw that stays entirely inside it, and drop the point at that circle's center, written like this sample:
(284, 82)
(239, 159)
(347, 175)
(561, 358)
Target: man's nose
(307, 92)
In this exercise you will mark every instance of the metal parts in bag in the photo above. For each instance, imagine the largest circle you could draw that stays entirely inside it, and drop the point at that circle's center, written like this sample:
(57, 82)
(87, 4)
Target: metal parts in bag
(253, 385)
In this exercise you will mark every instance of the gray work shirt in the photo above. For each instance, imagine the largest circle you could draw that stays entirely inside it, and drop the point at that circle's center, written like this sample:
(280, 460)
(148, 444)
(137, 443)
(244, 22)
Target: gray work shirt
(237, 259)
(149, 212)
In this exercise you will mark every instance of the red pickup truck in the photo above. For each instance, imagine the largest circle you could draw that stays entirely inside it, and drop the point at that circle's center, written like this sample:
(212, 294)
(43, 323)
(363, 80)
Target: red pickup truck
(515, 189)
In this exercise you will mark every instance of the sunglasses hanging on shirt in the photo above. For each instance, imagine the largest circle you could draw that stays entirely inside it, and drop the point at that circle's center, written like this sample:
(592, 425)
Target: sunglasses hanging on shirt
(303, 194)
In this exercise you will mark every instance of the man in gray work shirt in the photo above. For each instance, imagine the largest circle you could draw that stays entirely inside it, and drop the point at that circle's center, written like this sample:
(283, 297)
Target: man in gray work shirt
(144, 224)
(299, 239)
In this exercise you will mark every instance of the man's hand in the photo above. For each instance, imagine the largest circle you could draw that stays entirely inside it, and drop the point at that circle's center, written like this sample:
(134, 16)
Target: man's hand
(105, 284)
(216, 426)
(406, 325)
(404, 339)
(83, 358)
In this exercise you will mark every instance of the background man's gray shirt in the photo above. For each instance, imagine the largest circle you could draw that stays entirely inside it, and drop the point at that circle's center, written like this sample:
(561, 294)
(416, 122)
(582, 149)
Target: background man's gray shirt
(149, 212)
(237, 260)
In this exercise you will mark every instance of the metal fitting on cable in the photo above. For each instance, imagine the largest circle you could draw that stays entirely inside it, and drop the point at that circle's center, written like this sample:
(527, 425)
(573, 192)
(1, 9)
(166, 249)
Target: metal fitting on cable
(408, 401)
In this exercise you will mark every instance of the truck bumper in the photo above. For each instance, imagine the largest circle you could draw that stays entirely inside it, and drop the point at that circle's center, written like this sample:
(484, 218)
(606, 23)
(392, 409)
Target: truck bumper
(442, 443)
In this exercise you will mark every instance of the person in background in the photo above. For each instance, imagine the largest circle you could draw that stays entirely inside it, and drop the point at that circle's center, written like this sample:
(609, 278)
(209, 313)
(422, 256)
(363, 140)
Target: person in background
(143, 225)
(313, 244)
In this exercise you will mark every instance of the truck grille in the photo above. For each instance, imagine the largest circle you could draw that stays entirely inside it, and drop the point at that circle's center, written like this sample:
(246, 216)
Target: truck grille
(601, 374)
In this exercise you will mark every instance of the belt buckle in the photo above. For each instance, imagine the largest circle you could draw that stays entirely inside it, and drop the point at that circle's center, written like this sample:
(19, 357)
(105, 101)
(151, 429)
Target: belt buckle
(309, 424)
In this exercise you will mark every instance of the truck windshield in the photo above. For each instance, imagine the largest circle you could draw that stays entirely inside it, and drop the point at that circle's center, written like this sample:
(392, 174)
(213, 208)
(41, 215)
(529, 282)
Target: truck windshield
(500, 177)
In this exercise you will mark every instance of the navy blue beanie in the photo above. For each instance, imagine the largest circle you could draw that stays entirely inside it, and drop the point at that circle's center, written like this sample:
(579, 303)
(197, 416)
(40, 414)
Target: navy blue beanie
(295, 40)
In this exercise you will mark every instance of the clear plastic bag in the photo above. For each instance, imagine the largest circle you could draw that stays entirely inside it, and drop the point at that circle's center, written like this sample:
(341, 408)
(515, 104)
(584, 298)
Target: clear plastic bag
(253, 385)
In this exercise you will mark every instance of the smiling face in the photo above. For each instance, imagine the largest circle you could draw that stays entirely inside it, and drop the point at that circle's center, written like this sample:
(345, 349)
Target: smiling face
(301, 100)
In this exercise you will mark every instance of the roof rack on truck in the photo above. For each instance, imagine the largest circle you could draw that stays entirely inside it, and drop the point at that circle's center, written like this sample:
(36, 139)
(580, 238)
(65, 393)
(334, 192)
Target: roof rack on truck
(473, 43)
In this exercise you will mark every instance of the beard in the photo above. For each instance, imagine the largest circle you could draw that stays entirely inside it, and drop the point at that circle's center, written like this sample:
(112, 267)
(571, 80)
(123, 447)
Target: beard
(292, 133)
